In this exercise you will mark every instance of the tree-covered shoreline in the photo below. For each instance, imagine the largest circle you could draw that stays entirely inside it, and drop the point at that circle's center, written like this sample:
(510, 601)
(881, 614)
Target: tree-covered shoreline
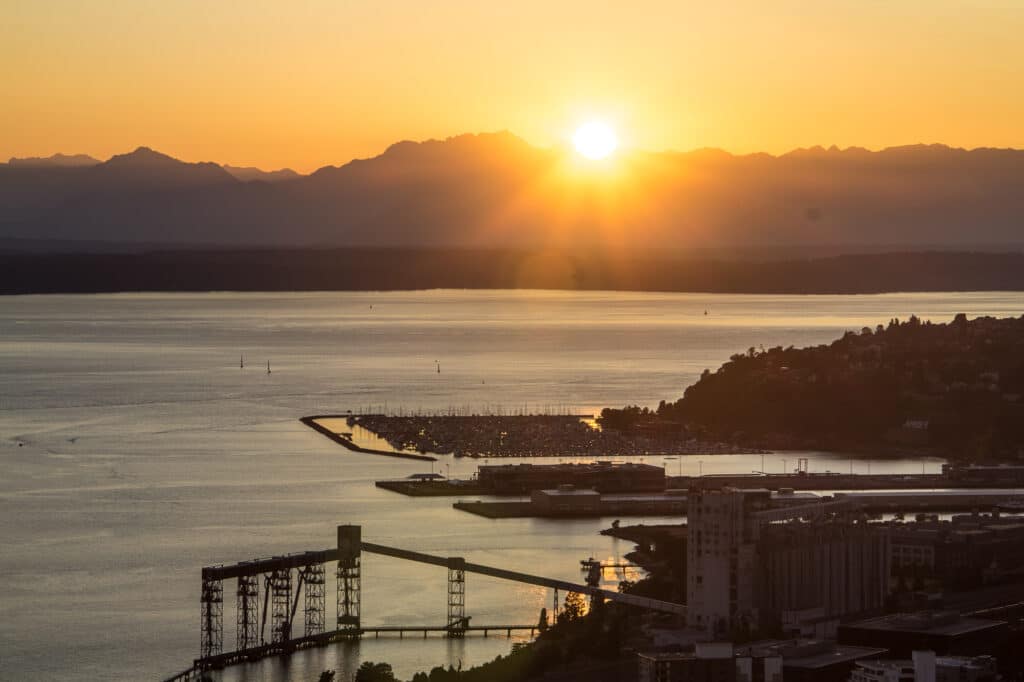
(954, 389)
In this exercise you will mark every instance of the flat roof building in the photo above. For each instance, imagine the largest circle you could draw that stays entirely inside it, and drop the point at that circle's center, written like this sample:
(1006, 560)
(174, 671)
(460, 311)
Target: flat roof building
(710, 662)
(944, 632)
(566, 500)
(813, 660)
(925, 666)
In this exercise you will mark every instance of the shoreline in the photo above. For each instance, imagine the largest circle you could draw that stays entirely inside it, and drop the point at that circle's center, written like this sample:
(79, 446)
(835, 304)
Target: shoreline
(159, 268)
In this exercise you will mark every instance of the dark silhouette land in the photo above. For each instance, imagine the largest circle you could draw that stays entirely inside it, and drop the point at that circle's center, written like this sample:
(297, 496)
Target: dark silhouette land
(496, 191)
(955, 390)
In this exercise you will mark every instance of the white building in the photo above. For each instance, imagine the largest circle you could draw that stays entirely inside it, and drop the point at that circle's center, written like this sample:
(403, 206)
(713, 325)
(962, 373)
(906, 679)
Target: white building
(926, 667)
(720, 557)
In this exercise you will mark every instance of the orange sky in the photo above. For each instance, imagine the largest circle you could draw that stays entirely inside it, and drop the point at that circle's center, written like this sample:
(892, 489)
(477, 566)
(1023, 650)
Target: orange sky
(305, 84)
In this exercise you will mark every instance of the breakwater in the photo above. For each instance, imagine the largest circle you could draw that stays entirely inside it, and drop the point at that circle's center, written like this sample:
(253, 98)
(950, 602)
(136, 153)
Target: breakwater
(312, 422)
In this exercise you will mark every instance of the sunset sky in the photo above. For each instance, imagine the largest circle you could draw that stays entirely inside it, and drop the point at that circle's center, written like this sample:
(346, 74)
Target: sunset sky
(306, 84)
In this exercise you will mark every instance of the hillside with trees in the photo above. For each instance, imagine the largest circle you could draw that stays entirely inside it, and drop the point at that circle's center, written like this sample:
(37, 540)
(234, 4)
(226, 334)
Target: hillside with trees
(953, 389)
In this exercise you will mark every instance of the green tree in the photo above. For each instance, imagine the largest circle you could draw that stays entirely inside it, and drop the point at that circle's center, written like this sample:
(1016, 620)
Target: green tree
(375, 672)
(574, 609)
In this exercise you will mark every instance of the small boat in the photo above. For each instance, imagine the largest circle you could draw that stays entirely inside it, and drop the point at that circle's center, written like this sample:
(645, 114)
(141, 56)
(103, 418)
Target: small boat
(241, 362)
(268, 366)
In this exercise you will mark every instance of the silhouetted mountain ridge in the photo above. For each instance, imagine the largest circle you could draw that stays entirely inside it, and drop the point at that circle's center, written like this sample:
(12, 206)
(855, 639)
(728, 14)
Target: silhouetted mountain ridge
(495, 190)
(250, 173)
(153, 170)
(58, 160)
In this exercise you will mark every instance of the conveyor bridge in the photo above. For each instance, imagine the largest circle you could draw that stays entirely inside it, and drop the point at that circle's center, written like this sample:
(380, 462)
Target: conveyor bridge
(268, 592)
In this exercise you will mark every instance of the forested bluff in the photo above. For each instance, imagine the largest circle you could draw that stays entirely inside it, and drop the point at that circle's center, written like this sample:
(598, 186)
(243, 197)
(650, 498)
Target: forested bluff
(954, 390)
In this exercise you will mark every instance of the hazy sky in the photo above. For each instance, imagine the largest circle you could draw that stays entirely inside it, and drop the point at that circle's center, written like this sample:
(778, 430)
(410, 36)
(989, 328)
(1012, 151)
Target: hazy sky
(305, 84)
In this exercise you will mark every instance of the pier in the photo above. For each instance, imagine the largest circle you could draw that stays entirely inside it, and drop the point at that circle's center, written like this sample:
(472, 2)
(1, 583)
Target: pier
(268, 592)
(590, 504)
(622, 478)
(486, 629)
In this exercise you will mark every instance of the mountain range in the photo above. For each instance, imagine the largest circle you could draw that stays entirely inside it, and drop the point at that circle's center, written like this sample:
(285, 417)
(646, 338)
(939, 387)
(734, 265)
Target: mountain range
(496, 191)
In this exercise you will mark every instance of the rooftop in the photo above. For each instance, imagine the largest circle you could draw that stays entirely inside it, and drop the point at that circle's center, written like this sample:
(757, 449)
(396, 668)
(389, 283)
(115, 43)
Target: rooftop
(809, 654)
(567, 492)
(986, 467)
(802, 496)
(841, 654)
(928, 622)
(972, 492)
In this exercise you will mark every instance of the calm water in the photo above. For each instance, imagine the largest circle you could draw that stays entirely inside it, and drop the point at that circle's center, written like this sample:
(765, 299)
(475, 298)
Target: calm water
(134, 450)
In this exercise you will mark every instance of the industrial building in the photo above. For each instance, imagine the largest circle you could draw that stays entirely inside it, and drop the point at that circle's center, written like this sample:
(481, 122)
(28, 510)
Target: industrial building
(931, 500)
(965, 552)
(838, 567)
(603, 476)
(994, 475)
(749, 560)
(566, 500)
(763, 661)
(720, 557)
(710, 662)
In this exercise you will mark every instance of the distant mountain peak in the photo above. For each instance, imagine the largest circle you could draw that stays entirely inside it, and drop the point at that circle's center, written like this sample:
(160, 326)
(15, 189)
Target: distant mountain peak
(142, 156)
(922, 148)
(455, 150)
(149, 167)
(249, 173)
(501, 138)
(57, 160)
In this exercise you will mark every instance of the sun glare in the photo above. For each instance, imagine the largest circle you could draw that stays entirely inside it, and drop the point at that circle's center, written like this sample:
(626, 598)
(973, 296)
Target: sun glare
(595, 140)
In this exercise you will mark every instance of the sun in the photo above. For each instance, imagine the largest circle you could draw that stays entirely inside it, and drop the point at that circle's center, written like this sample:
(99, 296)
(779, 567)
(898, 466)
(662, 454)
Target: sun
(595, 140)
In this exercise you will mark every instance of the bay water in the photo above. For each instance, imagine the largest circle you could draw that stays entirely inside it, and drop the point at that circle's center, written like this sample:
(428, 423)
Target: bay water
(134, 450)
